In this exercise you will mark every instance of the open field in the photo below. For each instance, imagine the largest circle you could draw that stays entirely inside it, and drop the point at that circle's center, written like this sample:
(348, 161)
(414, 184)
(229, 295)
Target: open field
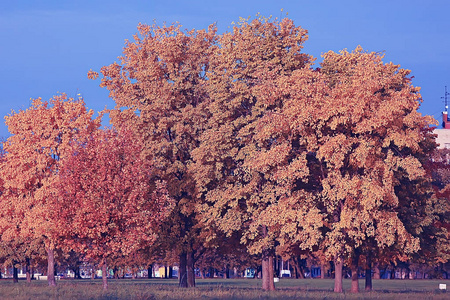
(147, 289)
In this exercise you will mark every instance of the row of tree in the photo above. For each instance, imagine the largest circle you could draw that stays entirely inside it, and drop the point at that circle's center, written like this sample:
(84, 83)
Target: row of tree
(235, 142)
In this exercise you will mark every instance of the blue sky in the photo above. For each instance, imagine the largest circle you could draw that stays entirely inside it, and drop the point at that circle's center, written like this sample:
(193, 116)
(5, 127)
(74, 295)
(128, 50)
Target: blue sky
(49, 46)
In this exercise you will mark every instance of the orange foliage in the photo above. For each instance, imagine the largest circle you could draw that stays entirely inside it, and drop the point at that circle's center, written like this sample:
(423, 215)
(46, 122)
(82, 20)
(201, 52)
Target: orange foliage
(40, 141)
(111, 206)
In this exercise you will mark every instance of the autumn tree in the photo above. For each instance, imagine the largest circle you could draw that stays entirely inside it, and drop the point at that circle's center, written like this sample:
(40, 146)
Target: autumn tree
(160, 91)
(241, 168)
(40, 140)
(436, 237)
(109, 199)
(370, 143)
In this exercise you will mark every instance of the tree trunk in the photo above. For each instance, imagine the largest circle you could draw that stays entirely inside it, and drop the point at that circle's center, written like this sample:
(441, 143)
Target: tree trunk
(104, 275)
(354, 269)
(226, 272)
(376, 272)
(51, 267)
(368, 279)
(182, 273)
(296, 267)
(338, 265)
(392, 274)
(28, 270)
(202, 273)
(322, 270)
(149, 271)
(15, 274)
(267, 271)
(190, 269)
(277, 270)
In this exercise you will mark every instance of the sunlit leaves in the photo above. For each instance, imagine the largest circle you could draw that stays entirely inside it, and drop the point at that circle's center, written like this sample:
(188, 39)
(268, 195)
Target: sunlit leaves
(108, 196)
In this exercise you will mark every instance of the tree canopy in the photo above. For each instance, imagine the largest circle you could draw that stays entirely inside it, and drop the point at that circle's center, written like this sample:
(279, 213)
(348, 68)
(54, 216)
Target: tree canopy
(231, 144)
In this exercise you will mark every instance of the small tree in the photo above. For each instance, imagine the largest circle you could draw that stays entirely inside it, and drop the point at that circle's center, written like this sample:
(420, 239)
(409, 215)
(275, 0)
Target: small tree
(111, 205)
(40, 141)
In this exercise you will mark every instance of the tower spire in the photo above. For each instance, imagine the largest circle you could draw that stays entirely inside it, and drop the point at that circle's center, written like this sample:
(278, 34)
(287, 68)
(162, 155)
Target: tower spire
(445, 98)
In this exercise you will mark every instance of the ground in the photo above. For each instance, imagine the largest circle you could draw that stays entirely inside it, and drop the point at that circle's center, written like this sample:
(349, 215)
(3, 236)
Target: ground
(148, 289)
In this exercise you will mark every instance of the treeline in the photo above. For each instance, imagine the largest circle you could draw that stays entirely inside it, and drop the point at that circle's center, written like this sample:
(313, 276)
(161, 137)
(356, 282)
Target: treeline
(232, 144)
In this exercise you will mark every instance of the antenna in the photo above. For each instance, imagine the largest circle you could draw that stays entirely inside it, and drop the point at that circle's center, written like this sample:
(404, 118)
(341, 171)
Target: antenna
(445, 98)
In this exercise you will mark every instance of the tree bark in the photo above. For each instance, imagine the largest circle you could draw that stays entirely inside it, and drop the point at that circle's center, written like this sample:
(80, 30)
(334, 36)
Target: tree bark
(28, 269)
(322, 270)
(392, 274)
(338, 265)
(376, 272)
(226, 272)
(368, 277)
(277, 269)
(149, 271)
(296, 267)
(15, 274)
(182, 273)
(104, 275)
(51, 267)
(354, 268)
(267, 272)
(190, 269)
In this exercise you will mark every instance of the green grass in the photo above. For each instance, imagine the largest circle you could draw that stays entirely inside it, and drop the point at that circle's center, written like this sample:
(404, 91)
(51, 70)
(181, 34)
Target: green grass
(144, 289)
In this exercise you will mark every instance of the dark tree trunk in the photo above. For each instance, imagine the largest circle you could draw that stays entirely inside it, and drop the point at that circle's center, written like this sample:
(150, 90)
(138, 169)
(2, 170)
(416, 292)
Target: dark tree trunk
(15, 274)
(104, 275)
(51, 267)
(368, 277)
(182, 276)
(392, 274)
(277, 269)
(354, 268)
(170, 273)
(298, 267)
(76, 272)
(190, 269)
(28, 270)
(338, 265)
(226, 272)
(149, 271)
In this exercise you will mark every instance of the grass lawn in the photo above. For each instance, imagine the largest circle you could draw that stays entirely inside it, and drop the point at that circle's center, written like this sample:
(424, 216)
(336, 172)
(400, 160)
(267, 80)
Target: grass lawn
(147, 289)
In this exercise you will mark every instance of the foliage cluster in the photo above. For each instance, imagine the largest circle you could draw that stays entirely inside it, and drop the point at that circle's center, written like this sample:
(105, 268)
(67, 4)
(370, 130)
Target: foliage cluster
(229, 145)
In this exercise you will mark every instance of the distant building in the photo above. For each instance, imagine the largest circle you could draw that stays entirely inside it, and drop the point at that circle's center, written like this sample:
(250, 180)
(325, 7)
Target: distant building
(443, 133)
